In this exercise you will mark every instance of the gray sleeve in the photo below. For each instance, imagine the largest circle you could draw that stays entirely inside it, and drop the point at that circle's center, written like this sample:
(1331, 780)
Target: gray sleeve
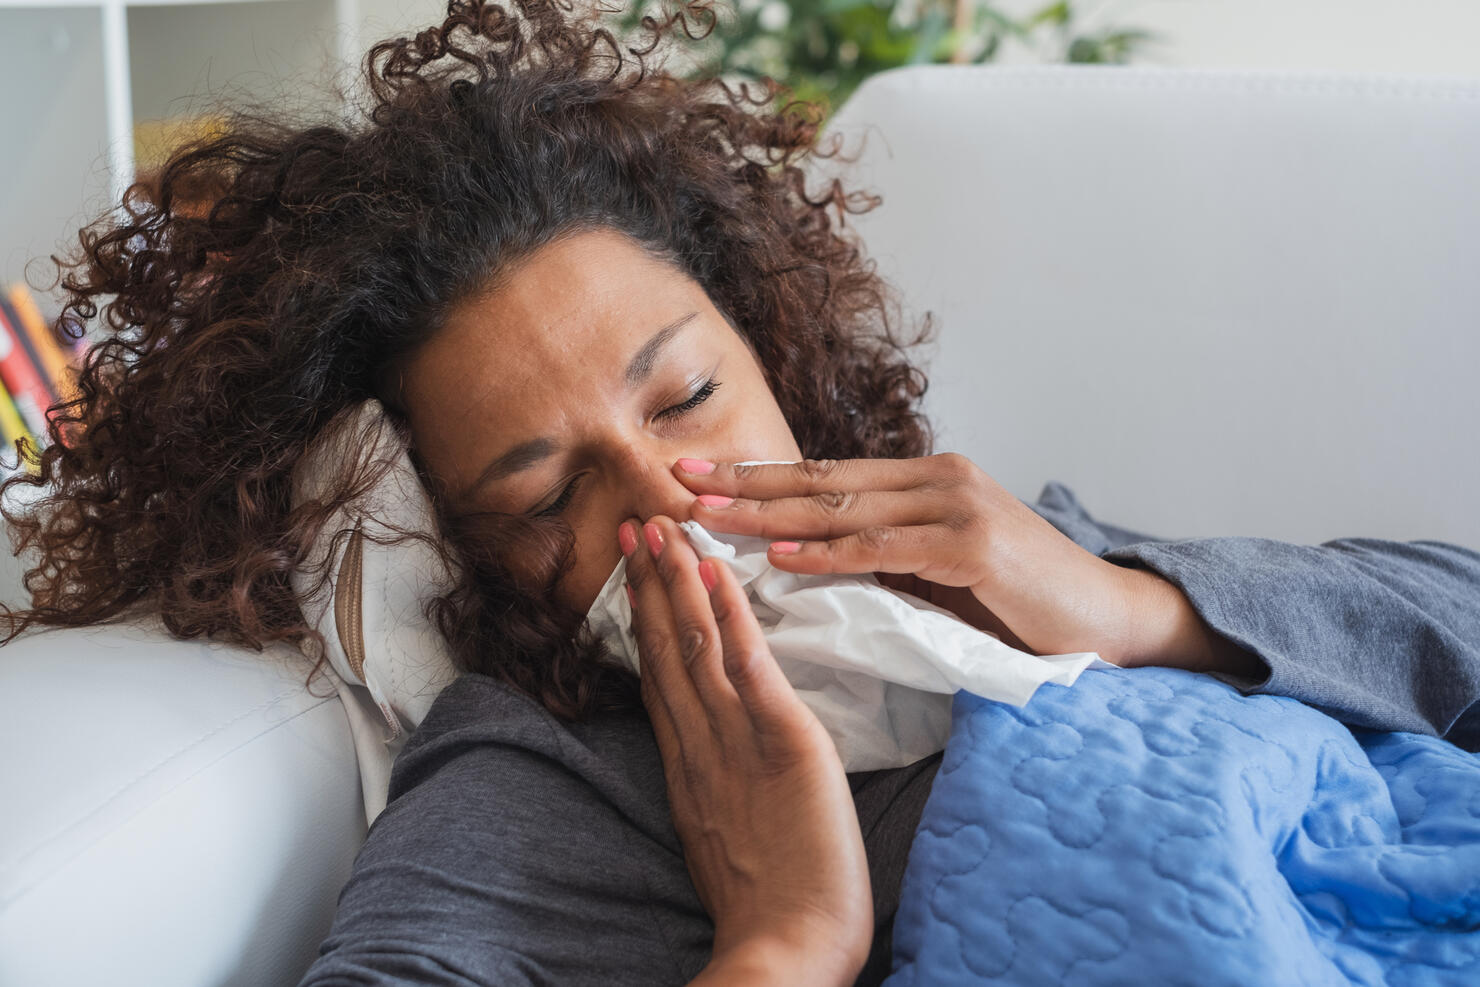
(1382, 635)
(1058, 505)
(497, 861)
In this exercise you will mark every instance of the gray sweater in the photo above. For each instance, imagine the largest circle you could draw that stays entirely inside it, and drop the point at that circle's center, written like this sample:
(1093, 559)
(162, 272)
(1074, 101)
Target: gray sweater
(517, 849)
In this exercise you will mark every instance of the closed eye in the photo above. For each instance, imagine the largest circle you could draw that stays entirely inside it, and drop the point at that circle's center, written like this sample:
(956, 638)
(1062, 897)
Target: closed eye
(559, 503)
(704, 393)
(699, 397)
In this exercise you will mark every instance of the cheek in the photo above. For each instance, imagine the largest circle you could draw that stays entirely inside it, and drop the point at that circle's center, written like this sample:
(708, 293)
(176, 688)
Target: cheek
(759, 430)
(596, 555)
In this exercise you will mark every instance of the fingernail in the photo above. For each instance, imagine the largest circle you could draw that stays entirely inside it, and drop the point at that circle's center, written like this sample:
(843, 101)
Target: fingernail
(786, 547)
(707, 574)
(654, 538)
(626, 538)
(715, 500)
(631, 600)
(698, 467)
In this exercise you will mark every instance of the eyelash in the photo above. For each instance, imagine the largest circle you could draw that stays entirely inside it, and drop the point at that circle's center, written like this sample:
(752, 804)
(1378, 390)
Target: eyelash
(699, 397)
(705, 391)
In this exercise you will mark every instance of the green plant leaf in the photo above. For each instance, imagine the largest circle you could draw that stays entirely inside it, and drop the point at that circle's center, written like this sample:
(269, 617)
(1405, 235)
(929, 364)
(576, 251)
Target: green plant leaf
(1085, 51)
(1127, 39)
(1054, 13)
(804, 54)
(1001, 22)
(990, 51)
(930, 32)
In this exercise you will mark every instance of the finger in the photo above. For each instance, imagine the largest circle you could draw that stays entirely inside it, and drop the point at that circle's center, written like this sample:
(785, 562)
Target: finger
(696, 634)
(810, 476)
(763, 690)
(825, 515)
(661, 718)
(927, 550)
(652, 698)
(653, 626)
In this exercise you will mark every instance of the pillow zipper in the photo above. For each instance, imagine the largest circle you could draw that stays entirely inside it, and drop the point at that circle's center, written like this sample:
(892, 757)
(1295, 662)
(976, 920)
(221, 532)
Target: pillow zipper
(347, 604)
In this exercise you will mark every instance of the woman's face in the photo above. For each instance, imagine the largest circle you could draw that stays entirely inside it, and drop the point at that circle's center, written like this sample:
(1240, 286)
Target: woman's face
(574, 389)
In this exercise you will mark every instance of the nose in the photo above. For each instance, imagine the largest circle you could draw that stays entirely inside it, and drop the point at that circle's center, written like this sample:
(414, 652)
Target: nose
(645, 476)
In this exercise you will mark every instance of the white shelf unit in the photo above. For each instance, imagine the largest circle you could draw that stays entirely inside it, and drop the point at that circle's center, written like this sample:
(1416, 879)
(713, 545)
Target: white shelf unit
(118, 73)
(75, 76)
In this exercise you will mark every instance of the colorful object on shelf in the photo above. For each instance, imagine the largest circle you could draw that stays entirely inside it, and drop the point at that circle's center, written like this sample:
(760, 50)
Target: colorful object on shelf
(23, 379)
(12, 429)
(155, 140)
(53, 356)
(25, 315)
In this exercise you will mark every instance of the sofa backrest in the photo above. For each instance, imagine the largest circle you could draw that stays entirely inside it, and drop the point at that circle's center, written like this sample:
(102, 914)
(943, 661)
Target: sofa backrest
(1211, 302)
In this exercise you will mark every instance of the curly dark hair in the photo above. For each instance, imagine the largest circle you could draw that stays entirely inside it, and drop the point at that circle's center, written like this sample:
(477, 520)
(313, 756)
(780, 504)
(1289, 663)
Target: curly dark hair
(271, 276)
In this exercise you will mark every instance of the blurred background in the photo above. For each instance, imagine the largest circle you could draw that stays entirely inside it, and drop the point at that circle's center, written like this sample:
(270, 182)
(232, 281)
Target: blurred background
(94, 92)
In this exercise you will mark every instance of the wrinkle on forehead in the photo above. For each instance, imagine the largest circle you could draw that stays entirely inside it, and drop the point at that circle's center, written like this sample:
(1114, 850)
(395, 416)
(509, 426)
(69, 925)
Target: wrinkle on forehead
(524, 370)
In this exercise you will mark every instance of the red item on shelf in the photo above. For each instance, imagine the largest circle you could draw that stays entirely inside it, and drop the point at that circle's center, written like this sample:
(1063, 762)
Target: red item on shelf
(23, 380)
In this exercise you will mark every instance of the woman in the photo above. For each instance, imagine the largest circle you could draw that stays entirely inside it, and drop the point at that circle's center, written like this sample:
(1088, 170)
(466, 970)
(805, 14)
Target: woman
(586, 293)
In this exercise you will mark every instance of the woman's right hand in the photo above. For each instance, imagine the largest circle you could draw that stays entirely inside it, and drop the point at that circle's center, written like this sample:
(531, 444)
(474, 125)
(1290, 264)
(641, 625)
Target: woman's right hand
(759, 797)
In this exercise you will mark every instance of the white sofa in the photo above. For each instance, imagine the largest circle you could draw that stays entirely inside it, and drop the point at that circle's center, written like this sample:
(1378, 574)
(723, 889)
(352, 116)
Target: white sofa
(1210, 302)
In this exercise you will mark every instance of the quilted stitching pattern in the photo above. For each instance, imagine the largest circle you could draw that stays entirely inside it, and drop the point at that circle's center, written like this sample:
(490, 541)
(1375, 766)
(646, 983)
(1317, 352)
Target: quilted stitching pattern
(1154, 826)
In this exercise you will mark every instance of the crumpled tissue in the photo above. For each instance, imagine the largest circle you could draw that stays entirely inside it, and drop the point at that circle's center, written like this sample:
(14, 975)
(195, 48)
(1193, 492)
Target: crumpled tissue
(877, 666)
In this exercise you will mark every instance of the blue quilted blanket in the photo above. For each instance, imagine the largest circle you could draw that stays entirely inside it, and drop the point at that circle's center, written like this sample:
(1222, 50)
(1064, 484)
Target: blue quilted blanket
(1155, 827)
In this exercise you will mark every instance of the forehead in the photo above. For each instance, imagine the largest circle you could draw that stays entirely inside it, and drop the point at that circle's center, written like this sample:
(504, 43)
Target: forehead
(553, 338)
(582, 289)
(566, 311)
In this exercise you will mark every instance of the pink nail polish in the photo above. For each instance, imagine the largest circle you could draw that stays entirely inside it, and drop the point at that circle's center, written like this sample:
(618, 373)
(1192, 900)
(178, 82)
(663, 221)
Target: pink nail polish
(626, 538)
(654, 538)
(707, 575)
(786, 547)
(698, 467)
(715, 500)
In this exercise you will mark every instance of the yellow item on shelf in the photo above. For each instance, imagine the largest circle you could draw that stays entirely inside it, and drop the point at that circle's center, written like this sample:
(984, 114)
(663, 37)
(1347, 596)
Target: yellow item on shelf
(12, 428)
(155, 139)
(54, 359)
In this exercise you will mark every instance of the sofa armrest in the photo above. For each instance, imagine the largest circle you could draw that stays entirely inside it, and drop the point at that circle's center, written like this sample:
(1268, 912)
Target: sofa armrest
(177, 812)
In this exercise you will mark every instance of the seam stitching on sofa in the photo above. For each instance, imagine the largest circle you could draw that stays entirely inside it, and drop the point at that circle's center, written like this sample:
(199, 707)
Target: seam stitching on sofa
(1233, 81)
(10, 898)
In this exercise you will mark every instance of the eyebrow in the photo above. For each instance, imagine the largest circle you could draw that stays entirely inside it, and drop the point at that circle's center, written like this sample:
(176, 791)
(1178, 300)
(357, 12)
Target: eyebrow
(526, 454)
(646, 358)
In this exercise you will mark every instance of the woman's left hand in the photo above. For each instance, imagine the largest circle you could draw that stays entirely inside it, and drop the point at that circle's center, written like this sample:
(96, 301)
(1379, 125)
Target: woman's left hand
(942, 529)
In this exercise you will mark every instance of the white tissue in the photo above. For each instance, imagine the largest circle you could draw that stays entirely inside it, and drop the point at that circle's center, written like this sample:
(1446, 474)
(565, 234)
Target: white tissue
(876, 665)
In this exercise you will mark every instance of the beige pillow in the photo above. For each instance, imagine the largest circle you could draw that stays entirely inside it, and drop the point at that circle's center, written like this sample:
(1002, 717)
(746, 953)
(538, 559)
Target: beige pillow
(388, 661)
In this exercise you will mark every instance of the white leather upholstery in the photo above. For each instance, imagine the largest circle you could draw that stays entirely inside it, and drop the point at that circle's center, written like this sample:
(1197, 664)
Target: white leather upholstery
(176, 812)
(171, 812)
(1211, 302)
